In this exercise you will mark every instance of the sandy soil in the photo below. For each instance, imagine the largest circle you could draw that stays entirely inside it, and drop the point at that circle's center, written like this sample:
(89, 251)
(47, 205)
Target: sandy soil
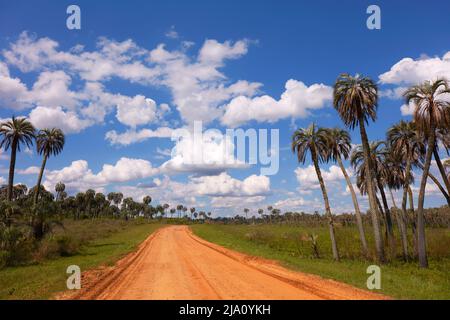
(175, 264)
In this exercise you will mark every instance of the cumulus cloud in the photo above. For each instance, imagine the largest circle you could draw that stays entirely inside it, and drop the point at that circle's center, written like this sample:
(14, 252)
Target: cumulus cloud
(206, 154)
(138, 111)
(298, 100)
(132, 136)
(224, 185)
(69, 122)
(307, 177)
(412, 71)
(78, 175)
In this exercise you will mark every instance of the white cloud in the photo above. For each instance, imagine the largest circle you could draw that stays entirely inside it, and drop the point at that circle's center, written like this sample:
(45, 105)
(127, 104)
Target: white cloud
(69, 122)
(224, 185)
(132, 136)
(412, 71)
(78, 176)
(30, 170)
(407, 109)
(210, 154)
(307, 177)
(172, 33)
(215, 52)
(138, 111)
(298, 100)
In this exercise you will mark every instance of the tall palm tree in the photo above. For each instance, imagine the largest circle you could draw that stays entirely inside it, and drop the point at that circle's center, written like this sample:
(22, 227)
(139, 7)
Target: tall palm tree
(15, 132)
(431, 112)
(314, 140)
(339, 146)
(48, 142)
(406, 144)
(356, 99)
(378, 155)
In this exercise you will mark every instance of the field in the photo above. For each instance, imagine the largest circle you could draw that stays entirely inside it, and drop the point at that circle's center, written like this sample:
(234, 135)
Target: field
(291, 246)
(92, 243)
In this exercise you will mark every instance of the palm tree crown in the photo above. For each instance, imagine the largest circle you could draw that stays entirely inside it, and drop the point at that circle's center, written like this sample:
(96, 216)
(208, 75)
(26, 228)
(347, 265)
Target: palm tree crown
(431, 108)
(355, 99)
(19, 130)
(312, 139)
(50, 141)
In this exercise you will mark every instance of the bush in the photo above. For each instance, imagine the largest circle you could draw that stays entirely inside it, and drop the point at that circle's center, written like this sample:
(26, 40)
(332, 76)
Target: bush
(15, 247)
(56, 246)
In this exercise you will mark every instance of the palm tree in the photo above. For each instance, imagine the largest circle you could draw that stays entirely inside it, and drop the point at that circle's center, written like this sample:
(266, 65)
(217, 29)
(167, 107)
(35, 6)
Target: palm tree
(192, 210)
(147, 200)
(59, 188)
(339, 146)
(48, 142)
(406, 144)
(378, 157)
(431, 113)
(314, 141)
(15, 132)
(356, 99)
(246, 211)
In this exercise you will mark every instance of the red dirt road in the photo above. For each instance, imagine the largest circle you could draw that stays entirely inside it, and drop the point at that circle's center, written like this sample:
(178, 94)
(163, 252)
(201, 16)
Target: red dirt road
(175, 264)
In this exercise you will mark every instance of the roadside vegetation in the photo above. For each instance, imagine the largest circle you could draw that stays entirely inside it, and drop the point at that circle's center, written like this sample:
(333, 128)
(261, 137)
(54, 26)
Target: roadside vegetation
(306, 247)
(85, 243)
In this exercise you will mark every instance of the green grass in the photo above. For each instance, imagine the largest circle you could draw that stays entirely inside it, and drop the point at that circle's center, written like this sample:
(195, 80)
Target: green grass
(108, 241)
(283, 243)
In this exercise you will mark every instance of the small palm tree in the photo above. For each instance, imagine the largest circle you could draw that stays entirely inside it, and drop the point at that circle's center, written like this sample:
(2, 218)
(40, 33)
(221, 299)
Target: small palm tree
(378, 156)
(356, 100)
(48, 142)
(431, 113)
(246, 211)
(314, 141)
(406, 145)
(339, 146)
(15, 132)
(59, 188)
(147, 200)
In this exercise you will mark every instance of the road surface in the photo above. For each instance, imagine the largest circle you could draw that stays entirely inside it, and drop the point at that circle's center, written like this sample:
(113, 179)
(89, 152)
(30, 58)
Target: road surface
(175, 264)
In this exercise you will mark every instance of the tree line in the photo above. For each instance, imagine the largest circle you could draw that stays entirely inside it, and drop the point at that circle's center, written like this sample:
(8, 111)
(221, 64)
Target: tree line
(382, 166)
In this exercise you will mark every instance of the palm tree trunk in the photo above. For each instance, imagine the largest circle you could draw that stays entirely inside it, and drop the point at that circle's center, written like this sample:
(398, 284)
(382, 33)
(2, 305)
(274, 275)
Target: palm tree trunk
(421, 241)
(362, 235)
(438, 184)
(12, 165)
(327, 206)
(413, 221)
(403, 221)
(371, 192)
(39, 181)
(441, 169)
(387, 213)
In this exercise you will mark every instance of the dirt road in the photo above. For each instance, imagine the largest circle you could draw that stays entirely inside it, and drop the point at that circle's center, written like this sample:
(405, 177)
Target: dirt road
(175, 264)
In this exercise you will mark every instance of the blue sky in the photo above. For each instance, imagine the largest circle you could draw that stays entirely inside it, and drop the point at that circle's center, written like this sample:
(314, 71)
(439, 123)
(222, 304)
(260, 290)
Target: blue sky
(149, 67)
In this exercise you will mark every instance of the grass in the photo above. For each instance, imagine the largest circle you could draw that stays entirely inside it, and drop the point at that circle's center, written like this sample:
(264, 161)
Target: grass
(287, 245)
(104, 242)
